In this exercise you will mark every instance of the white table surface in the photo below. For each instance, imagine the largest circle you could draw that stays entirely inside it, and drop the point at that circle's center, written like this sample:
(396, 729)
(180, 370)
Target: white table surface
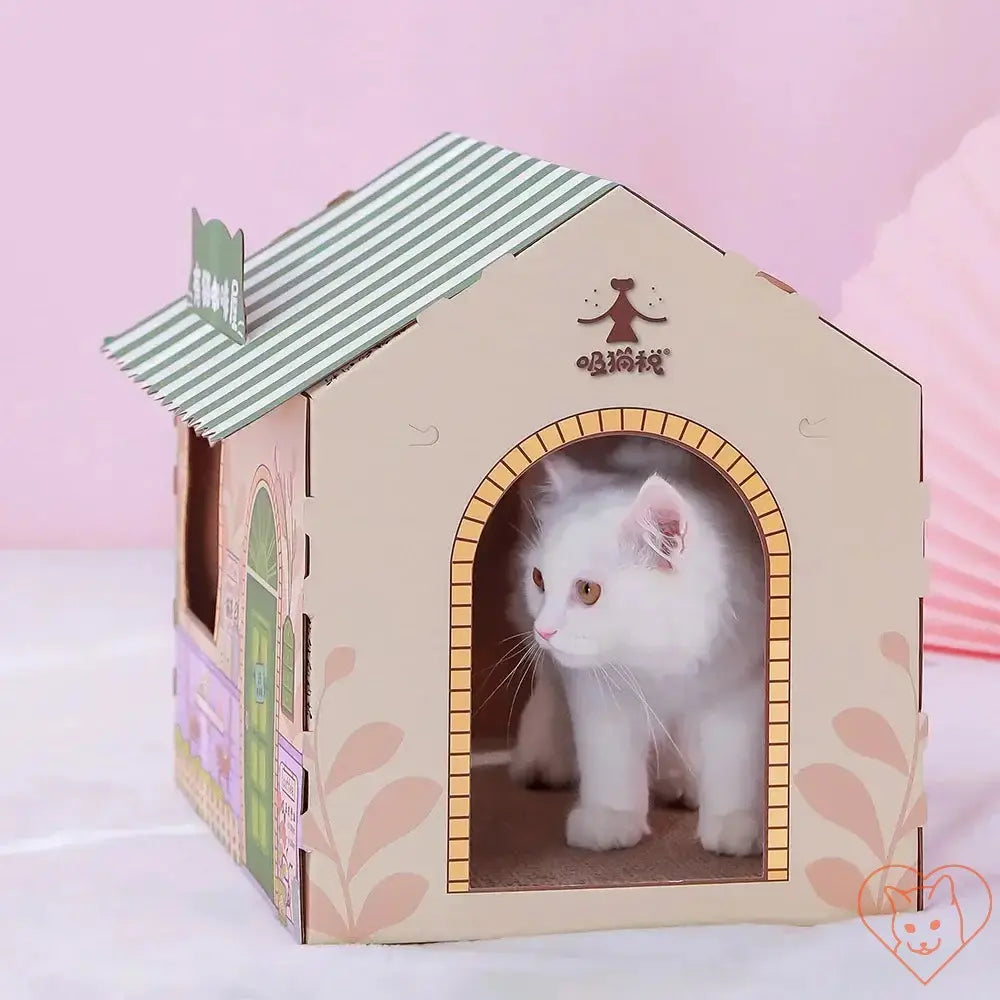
(111, 887)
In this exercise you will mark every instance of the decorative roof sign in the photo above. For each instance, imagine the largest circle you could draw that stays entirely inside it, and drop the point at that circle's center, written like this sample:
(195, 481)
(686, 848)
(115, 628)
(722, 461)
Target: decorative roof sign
(215, 289)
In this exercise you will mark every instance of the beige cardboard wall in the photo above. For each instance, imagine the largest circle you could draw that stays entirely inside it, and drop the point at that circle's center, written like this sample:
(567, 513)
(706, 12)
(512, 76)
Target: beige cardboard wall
(402, 441)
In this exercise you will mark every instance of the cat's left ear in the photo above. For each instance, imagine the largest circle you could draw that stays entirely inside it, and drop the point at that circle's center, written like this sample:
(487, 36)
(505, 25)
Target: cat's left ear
(658, 520)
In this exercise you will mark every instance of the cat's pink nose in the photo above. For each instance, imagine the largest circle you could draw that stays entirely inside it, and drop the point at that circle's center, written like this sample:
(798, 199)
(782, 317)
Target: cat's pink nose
(546, 633)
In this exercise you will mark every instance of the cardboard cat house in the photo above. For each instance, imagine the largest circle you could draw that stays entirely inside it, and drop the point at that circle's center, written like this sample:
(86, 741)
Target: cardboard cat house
(357, 405)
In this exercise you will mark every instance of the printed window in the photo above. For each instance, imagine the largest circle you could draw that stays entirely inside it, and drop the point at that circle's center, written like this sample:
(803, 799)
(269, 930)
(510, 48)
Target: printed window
(288, 669)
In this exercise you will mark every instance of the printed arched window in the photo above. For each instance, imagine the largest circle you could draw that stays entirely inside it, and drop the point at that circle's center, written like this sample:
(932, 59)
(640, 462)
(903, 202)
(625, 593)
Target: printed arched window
(288, 669)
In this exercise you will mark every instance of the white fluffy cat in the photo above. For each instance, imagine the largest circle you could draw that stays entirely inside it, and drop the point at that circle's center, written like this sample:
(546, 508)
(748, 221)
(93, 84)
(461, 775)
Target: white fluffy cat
(643, 585)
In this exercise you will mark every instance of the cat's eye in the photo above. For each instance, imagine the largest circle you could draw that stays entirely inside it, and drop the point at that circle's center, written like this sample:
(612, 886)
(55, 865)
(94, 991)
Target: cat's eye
(588, 591)
(910, 928)
(536, 578)
(935, 924)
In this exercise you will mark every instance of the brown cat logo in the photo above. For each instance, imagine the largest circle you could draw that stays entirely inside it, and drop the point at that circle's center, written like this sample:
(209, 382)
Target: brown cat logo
(622, 314)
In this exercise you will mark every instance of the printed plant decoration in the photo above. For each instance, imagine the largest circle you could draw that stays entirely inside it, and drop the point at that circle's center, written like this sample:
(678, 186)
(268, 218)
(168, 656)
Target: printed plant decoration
(838, 795)
(395, 810)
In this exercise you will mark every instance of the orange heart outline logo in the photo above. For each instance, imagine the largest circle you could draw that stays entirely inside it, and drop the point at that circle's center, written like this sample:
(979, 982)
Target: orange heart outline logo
(925, 942)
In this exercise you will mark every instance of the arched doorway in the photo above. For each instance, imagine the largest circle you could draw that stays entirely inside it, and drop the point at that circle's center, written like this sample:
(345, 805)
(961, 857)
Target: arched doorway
(764, 511)
(259, 653)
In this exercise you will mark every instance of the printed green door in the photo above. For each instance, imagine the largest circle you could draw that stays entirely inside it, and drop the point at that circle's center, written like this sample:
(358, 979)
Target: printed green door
(259, 655)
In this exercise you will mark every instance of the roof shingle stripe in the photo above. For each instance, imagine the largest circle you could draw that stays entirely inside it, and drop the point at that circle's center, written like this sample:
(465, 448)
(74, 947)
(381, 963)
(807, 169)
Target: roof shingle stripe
(160, 378)
(367, 286)
(306, 368)
(152, 323)
(139, 354)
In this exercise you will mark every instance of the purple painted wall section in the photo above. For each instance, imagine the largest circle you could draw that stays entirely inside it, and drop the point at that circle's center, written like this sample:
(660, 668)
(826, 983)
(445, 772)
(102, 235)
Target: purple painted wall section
(207, 708)
(288, 812)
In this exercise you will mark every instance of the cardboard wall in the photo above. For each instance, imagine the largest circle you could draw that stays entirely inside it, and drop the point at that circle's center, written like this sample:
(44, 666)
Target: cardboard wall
(403, 440)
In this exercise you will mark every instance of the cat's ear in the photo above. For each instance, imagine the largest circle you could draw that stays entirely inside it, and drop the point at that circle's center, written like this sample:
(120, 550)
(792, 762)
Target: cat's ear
(943, 890)
(658, 520)
(560, 475)
(898, 900)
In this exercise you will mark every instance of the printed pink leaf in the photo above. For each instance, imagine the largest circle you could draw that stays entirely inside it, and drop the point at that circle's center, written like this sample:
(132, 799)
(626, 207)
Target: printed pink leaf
(917, 816)
(323, 917)
(365, 750)
(395, 810)
(838, 795)
(390, 902)
(313, 836)
(866, 732)
(339, 664)
(838, 883)
(896, 649)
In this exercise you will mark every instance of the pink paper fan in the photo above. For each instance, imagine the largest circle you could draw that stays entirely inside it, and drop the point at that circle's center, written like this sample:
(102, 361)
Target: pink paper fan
(929, 301)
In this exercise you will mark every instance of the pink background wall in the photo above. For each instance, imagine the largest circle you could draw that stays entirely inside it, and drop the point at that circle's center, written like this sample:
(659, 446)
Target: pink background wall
(783, 130)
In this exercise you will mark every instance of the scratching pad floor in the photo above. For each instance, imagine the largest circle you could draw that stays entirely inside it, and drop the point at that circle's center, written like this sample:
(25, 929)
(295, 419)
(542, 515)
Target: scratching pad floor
(517, 841)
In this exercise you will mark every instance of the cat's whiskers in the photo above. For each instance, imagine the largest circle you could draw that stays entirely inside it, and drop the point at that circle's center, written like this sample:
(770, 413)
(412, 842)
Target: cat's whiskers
(521, 662)
(536, 654)
(600, 676)
(630, 678)
(523, 640)
(533, 514)
(517, 635)
(530, 541)
(644, 703)
(604, 678)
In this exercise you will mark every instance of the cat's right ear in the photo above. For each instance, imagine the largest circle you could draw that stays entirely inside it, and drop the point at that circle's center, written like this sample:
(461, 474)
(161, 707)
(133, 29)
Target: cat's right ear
(658, 520)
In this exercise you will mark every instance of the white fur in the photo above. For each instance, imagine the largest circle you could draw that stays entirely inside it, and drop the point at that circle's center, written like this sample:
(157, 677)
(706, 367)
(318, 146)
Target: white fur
(663, 676)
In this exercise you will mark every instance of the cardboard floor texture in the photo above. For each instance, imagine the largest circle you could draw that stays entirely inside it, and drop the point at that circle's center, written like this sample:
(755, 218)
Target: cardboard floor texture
(518, 841)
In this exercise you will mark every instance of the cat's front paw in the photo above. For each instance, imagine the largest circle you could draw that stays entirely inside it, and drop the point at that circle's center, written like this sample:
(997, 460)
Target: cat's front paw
(596, 828)
(736, 833)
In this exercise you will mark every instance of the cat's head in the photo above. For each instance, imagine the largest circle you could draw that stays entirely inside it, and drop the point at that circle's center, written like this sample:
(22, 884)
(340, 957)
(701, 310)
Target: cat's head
(937, 927)
(603, 576)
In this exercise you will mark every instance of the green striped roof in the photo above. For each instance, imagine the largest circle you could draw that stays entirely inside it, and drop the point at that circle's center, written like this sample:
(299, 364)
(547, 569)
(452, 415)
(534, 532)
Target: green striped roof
(348, 279)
